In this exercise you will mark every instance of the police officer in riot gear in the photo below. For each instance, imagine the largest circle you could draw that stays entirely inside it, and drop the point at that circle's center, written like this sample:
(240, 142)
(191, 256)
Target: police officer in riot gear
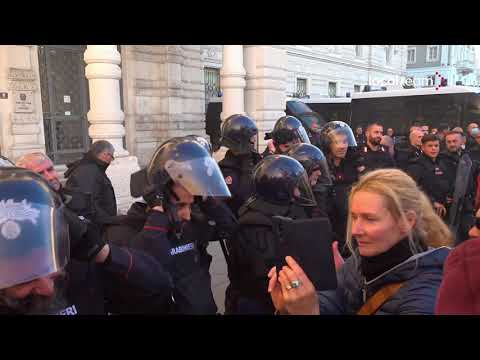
(281, 189)
(315, 164)
(288, 131)
(239, 134)
(123, 228)
(180, 170)
(36, 276)
(339, 145)
(312, 122)
(373, 154)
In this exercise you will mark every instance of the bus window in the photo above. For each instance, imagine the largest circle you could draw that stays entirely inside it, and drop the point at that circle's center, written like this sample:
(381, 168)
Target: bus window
(400, 112)
(472, 110)
(332, 111)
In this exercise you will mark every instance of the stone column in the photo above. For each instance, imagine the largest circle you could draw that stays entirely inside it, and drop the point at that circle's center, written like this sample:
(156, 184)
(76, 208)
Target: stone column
(232, 85)
(106, 116)
(232, 81)
(266, 83)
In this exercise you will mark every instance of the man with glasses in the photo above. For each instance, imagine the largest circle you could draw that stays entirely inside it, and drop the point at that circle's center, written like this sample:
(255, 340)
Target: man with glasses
(87, 176)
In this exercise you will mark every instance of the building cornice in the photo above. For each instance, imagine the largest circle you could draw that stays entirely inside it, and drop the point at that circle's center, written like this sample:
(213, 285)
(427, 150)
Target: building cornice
(338, 60)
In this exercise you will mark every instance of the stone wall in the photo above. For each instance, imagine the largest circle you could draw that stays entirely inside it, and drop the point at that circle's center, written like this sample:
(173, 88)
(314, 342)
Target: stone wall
(163, 95)
(21, 120)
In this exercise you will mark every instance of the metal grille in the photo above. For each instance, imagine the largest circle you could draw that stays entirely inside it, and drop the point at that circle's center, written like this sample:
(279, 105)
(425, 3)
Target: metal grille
(212, 83)
(301, 87)
(332, 89)
(65, 101)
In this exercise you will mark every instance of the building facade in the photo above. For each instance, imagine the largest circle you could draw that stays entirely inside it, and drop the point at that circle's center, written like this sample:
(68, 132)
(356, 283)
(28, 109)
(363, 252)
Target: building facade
(427, 64)
(57, 99)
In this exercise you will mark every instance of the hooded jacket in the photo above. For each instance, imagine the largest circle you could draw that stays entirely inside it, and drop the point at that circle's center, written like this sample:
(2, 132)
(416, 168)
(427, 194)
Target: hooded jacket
(88, 176)
(459, 293)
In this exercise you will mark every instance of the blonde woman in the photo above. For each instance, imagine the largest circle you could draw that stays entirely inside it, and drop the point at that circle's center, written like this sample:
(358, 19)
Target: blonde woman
(399, 245)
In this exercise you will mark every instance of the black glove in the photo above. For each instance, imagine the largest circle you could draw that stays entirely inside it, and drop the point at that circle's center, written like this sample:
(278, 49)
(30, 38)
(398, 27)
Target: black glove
(86, 239)
(155, 193)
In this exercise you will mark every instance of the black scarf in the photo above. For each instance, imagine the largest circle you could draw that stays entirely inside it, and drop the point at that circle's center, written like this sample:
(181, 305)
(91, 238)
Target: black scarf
(374, 266)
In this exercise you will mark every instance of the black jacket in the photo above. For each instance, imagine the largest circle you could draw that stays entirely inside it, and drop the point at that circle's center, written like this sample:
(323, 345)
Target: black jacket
(237, 171)
(122, 229)
(373, 160)
(88, 175)
(129, 278)
(468, 210)
(252, 253)
(404, 155)
(471, 143)
(182, 252)
(179, 254)
(436, 178)
(343, 177)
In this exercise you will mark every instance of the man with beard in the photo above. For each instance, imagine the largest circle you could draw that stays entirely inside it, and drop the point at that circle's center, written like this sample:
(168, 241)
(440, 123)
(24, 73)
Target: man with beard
(374, 155)
(452, 157)
(37, 275)
(180, 170)
(287, 132)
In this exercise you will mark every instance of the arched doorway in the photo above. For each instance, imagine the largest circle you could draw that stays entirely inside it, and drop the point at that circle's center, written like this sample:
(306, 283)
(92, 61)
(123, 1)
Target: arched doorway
(65, 101)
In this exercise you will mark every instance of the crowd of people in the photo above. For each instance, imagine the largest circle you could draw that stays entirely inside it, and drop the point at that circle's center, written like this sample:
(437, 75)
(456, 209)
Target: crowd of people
(402, 223)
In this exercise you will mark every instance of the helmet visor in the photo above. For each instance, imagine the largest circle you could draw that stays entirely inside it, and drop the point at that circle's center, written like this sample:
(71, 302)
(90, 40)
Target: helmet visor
(34, 241)
(302, 193)
(201, 176)
(302, 135)
(4, 162)
(340, 132)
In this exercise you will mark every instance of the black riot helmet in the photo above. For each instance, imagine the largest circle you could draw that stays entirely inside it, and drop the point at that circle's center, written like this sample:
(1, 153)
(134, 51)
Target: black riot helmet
(281, 180)
(185, 161)
(34, 236)
(202, 141)
(311, 158)
(287, 129)
(237, 131)
(336, 131)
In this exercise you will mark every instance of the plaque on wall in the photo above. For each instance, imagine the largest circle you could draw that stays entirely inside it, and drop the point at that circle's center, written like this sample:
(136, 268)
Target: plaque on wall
(23, 101)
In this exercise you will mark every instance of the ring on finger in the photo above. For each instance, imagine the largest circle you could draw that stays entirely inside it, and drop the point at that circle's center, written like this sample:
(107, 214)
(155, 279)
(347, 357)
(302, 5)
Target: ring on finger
(296, 284)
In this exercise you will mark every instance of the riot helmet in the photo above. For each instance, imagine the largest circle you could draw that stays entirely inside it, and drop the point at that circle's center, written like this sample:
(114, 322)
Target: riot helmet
(34, 236)
(312, 122)
(5, 162)
(188, 163)
(202, 141)
(237, 132)
(312, 159)
(336, 132)
(281, 180)
(288, 129)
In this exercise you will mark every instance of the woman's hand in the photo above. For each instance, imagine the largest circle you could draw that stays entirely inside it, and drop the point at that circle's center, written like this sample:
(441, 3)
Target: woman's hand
(337, 257)
(440, 209)
(292, 291)
(275, 291)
